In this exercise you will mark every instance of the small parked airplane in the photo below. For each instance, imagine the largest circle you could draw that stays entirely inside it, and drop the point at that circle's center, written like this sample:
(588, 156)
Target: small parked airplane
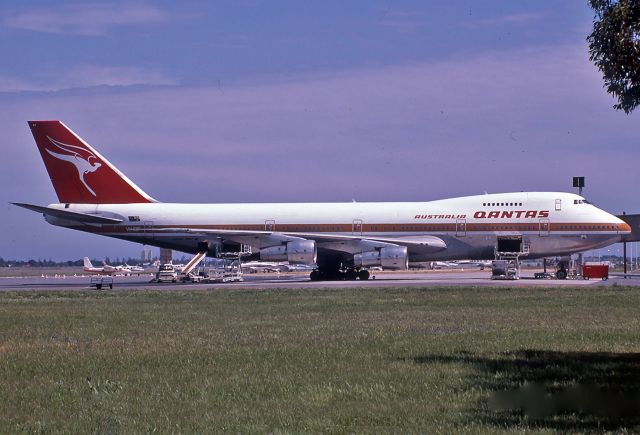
(342, 239)
(132, 270)
(104, 270)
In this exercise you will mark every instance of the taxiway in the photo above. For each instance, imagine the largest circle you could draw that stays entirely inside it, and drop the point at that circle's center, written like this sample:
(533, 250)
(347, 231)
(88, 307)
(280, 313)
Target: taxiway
(294, 280)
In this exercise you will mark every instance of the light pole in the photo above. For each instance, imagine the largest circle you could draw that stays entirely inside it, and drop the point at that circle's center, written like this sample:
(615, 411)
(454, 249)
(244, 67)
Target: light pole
(579, 183)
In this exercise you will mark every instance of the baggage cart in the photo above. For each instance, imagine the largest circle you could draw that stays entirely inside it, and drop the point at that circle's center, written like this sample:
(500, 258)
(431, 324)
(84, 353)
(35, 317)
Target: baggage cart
(101, 281)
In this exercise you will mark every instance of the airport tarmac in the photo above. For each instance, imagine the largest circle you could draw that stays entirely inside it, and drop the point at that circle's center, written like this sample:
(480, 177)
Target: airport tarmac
(467, 278)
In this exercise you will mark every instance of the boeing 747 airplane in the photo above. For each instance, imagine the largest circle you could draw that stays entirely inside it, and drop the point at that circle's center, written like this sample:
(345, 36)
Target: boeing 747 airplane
(342, 239)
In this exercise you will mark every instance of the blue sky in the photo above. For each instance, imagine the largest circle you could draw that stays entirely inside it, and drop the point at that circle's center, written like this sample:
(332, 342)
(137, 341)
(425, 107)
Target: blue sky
(246, 101)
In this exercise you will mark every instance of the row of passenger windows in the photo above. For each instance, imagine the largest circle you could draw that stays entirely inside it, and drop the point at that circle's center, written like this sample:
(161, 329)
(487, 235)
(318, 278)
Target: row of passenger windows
(546, 228)
(585, 227)
(502, 204)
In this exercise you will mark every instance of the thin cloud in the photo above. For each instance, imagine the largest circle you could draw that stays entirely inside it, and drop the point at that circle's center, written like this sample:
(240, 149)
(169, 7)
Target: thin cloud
(92, 75)
(509, 19)
(87, 76)
(91, 19)
(399, 21)
(14, 84)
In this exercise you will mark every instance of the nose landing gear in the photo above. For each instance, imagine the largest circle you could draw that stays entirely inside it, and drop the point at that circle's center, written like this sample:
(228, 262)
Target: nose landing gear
(563, 266)
(561, 274)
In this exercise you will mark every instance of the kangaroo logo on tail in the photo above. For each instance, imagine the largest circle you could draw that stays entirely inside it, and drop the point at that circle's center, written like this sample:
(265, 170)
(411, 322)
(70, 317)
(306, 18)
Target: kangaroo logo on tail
(90, 179)
(84, 161)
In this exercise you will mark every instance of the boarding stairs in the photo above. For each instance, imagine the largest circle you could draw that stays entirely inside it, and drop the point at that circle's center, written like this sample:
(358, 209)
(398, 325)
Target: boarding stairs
(193, 263)
(186, 273)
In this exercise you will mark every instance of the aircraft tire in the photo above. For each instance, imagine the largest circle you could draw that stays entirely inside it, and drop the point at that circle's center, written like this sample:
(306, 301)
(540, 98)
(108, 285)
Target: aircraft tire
(561, 274)
(351, 275)
(363, 275)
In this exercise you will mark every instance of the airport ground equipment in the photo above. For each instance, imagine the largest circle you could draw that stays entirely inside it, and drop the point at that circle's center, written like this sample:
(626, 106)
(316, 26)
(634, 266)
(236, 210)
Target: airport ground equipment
(228, 273)
(231, 271)
(508, 251)
(166, 273)
(101, 281)
(186, 274)
(505, 269)
(542, 275)
(590, 270)
(192, 277)
(193, 262)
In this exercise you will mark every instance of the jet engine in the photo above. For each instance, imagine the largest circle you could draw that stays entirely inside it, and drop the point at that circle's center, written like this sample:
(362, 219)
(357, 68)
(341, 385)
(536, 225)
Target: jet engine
(295, 252)
(392, 258)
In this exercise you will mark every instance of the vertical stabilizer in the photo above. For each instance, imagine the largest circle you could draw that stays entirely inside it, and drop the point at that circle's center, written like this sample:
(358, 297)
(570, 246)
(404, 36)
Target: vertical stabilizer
(78, 172)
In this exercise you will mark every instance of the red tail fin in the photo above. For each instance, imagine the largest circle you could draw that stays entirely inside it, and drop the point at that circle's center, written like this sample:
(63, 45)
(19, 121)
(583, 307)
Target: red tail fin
(78, 172)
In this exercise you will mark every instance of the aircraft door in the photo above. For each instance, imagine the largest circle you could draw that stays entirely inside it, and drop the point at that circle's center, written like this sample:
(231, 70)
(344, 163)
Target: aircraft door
(356, 228)
(545, 227)
(461, 227)
(270, 225)
(558, 204)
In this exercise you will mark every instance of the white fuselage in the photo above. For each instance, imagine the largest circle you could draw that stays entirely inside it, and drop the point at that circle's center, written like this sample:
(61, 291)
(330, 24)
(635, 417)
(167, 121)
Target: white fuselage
(552, 223)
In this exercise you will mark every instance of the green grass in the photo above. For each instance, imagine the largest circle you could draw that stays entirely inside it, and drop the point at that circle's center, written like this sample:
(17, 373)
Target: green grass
(433, 360)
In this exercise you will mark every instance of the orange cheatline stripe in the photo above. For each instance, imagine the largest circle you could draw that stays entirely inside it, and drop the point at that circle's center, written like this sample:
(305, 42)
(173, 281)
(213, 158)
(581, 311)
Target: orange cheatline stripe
(386, 228)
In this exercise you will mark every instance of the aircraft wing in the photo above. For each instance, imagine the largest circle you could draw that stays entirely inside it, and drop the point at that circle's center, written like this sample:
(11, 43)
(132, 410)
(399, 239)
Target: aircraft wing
(351, 244)
(357, 244)
(70, 215)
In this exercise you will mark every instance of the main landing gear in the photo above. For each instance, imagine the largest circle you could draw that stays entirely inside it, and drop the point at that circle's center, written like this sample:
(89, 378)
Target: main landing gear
(350, 274)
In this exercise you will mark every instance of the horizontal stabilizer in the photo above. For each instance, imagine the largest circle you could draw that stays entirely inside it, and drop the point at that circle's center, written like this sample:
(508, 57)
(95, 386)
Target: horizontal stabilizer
(70, 215)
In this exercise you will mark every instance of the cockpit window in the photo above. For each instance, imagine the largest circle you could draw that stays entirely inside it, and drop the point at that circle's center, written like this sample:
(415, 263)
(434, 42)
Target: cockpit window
(581, 201)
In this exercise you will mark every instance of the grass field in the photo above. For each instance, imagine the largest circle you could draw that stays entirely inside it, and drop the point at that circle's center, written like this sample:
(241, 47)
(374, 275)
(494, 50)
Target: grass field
(434, 360)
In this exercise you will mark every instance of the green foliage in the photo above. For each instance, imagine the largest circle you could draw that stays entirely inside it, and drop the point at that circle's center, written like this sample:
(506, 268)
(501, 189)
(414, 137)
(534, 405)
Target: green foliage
(614, 47)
